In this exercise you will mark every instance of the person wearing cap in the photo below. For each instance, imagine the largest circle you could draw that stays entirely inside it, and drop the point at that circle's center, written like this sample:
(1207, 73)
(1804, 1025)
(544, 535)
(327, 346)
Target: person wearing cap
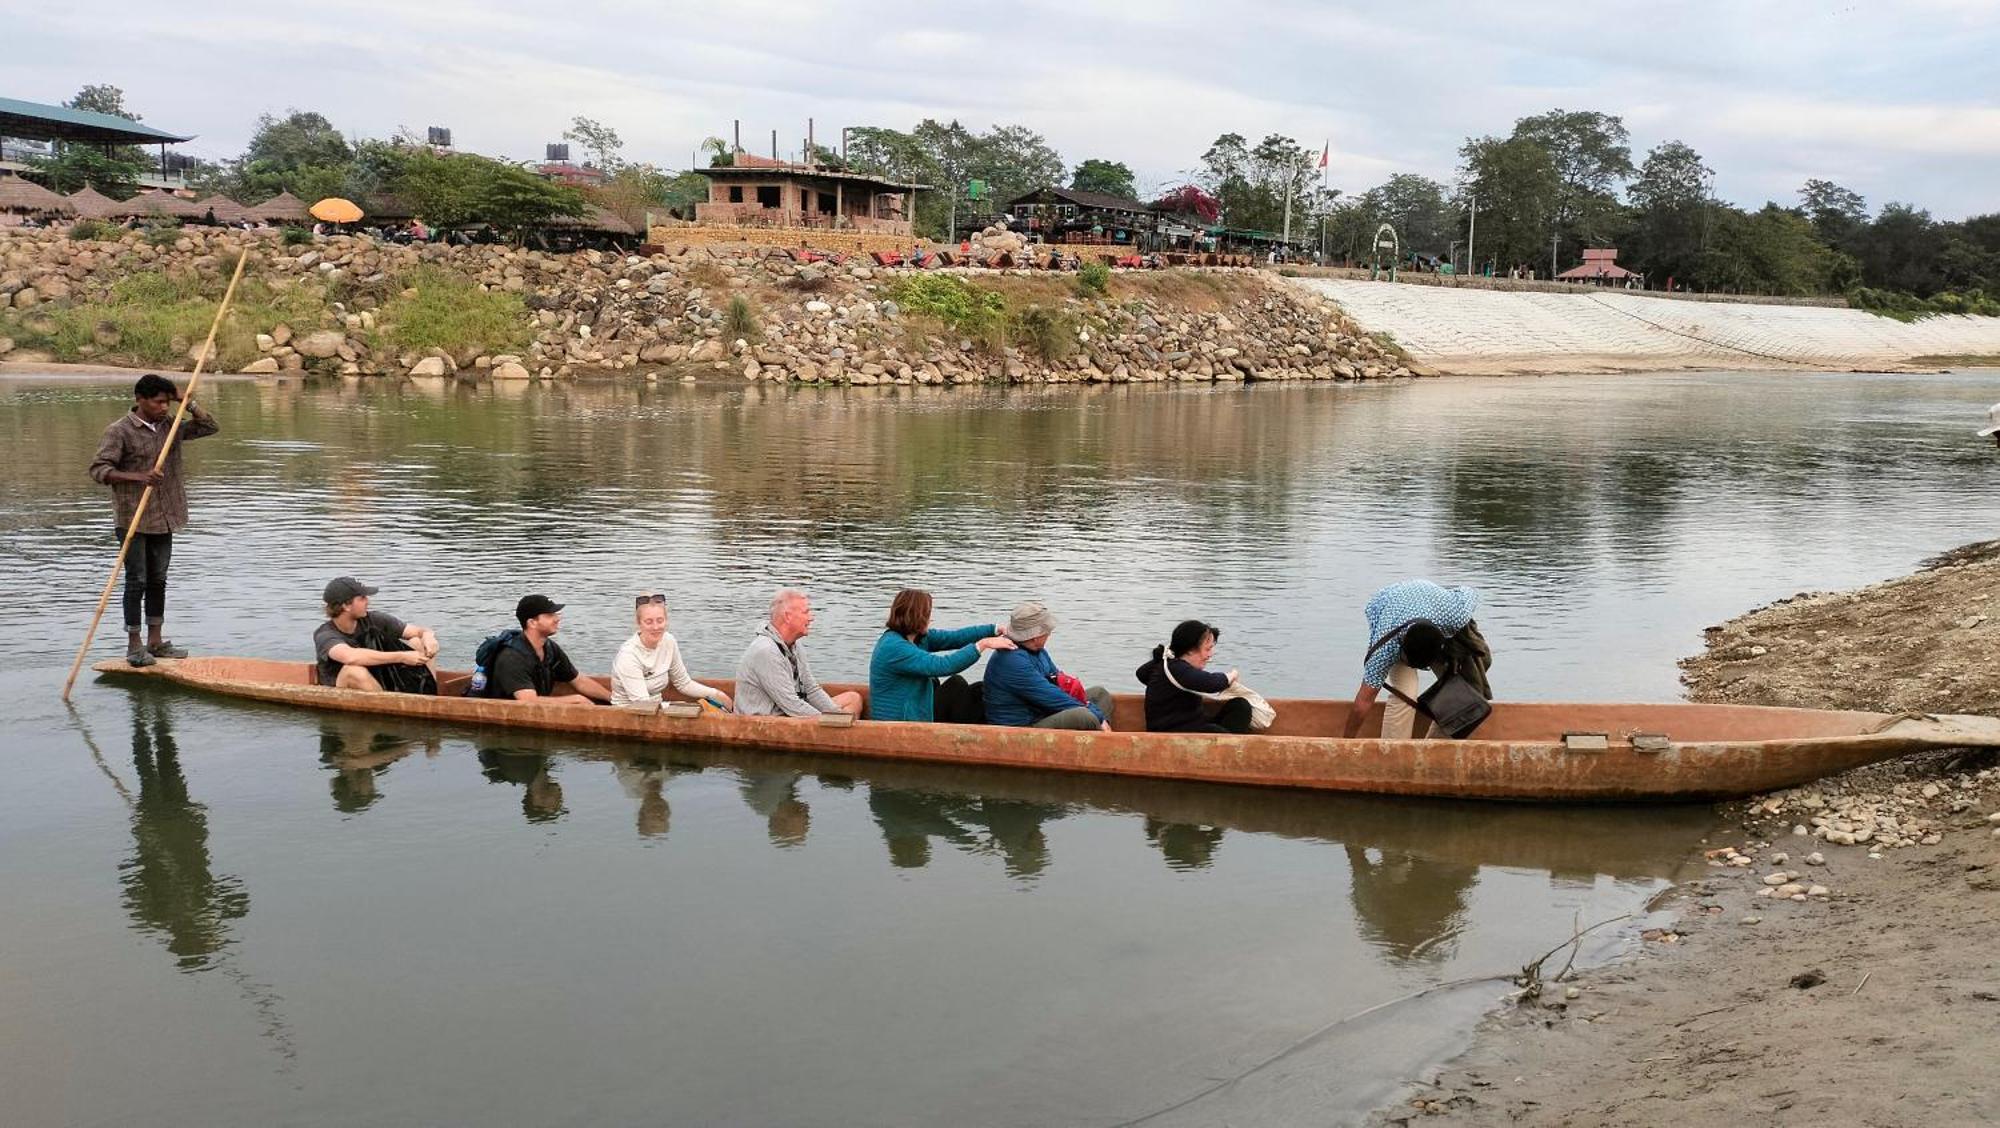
(1409, 625)
(773, 679)
(531, 667)
(1993, 430)
(1020, 684)
(361, 649)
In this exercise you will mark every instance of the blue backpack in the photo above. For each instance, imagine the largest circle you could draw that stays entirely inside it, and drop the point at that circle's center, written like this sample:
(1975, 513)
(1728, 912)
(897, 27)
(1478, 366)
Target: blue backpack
(483, 659)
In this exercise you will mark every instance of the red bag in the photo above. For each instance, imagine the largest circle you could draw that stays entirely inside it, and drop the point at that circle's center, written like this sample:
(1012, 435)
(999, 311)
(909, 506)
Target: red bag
(1072, 685)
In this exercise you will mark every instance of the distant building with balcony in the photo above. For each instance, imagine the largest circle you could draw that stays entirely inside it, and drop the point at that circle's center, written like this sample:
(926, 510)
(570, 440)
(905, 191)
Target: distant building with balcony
(31, 130)
(760, 192)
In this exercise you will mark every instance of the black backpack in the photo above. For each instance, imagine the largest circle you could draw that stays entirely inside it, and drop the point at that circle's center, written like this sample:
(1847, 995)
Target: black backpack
(483, 659)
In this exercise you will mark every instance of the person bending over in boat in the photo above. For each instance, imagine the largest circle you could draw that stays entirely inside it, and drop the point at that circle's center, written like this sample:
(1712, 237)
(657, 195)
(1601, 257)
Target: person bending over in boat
(651, 660)
(774, 679)
(1413, 625)
(1175, 677)
(530, 666)
(910, 657)
(371, 650)
(1025, 689)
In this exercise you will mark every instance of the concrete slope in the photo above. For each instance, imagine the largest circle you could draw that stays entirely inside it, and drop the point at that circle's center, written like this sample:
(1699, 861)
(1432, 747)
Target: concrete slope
(1480, 331)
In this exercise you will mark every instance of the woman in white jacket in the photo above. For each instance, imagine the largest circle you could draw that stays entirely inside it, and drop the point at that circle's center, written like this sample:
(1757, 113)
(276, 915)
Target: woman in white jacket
(651, 660)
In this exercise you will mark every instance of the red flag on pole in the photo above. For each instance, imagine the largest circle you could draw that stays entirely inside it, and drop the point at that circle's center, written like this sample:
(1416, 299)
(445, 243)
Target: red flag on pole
(1324, 150)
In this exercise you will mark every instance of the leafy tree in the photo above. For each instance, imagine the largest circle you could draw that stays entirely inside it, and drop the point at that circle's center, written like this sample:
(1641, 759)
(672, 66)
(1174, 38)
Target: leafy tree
(300, 139)
(1516, 185)
(1190, 201)
(1255, 185)
(71, 167)
(1836, 212)
(102, 99)
(1900, 250)
(1592, 156)
(599, 140)
(636, 189)
(1673, 216)
(1111, 178)
(1416, 205)
(452, 190)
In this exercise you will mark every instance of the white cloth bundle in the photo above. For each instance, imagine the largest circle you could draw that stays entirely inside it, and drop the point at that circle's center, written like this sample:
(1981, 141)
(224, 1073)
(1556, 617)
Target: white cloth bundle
(1262, 716)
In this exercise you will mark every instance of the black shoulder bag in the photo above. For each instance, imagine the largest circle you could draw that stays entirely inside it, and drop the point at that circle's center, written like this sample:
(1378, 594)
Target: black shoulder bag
(1453, 704)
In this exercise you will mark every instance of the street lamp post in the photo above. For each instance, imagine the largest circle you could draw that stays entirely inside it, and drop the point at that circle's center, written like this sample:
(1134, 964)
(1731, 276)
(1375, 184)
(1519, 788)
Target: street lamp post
(1471, 265)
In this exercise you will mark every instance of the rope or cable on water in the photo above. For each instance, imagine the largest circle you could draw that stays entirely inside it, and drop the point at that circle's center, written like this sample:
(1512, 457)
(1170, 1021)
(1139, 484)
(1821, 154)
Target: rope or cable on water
(1528, 971)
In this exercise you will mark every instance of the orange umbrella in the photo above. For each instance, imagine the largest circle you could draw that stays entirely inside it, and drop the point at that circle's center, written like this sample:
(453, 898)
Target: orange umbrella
(333, 209)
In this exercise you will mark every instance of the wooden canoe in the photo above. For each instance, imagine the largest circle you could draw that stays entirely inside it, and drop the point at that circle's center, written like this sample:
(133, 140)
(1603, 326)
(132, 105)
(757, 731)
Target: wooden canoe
(1524, 751)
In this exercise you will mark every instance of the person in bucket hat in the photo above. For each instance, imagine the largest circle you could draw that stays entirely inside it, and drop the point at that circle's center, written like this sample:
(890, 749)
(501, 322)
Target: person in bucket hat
(1023, 686)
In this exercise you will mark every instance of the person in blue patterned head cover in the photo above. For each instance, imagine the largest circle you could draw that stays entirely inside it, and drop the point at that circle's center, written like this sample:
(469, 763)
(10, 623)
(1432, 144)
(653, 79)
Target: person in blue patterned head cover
(1408, 624)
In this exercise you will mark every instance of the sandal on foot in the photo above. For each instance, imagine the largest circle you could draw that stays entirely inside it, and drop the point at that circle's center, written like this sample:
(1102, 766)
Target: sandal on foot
(138, 658)
(166, 649)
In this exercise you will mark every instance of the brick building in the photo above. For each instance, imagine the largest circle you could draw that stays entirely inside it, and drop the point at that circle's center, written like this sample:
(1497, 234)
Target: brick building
(760, 192)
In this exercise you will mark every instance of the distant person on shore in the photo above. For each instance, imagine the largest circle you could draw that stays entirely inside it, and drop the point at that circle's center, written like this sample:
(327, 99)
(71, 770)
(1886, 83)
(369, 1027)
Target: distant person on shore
(650, 661)
(124, 461)
(529, 666)
(1025, 689)
(910, 657)
(1993, 431)
(1410, 625)
(368, 650)
(774, 679)
(1177, 675)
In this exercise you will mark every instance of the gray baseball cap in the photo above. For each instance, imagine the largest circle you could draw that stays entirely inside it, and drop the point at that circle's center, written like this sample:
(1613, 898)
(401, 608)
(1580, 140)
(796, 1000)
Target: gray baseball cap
(343, 588)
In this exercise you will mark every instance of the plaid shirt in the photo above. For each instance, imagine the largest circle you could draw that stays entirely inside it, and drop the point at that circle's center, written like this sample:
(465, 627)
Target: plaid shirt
(131, 445)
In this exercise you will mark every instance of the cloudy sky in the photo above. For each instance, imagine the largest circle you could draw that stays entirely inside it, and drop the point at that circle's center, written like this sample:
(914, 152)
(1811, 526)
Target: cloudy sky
(1898, 99)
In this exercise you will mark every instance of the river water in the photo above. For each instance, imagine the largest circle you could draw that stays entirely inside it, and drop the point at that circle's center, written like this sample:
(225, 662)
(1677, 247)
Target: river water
(226, 914)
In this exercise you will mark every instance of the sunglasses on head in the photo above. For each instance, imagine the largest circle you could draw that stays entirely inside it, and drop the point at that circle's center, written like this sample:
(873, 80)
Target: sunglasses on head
(656, 597)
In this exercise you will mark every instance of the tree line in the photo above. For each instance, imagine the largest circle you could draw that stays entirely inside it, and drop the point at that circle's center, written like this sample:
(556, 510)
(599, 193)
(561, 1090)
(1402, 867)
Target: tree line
(1557, 183)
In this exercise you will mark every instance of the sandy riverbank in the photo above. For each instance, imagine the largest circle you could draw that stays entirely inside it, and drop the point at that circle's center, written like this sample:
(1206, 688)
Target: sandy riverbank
(1876, 999)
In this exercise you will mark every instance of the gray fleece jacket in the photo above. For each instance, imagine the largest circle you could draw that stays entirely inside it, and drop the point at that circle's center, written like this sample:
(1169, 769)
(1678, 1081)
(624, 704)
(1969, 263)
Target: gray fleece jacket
(775, 680)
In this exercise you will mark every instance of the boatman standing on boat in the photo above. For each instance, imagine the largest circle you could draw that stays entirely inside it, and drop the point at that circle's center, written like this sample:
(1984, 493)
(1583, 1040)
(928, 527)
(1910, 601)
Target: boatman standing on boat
(1411, 626)
(124, 462)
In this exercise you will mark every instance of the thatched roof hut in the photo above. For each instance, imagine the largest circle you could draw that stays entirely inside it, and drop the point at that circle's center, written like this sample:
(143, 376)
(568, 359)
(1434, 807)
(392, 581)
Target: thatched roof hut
(92, 204)
(594, 218)
(21, 195)
(226, 210)
(164, 203)
(281, 208)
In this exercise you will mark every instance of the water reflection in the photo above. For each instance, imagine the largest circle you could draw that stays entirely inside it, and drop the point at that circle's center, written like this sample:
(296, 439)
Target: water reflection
(1185, 846)
(171, 888)
(1408, 905)
(1011, 829)
(359, 753)
(775, 797)
(533, 772)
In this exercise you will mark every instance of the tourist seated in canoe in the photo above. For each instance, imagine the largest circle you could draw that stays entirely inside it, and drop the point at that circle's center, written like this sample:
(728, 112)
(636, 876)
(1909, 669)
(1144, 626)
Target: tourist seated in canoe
(373, 651)
(1415, 625)
(531, 667)
(1177, 675)
(910, 657)
(1024, 688)
(774, 679)
(650, 661)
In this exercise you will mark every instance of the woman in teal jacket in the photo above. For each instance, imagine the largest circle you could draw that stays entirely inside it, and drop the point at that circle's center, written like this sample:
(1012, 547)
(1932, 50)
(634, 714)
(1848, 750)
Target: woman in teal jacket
(910, 657)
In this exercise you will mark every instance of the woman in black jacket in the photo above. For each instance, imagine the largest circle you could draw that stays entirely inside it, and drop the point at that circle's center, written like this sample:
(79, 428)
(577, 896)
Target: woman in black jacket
(1177, 674)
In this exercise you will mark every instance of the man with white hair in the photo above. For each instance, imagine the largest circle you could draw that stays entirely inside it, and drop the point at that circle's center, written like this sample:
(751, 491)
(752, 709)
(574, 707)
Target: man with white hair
(774, 679)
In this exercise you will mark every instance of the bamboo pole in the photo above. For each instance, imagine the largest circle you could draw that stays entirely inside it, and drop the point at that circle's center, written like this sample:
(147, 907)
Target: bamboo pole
(146, 496)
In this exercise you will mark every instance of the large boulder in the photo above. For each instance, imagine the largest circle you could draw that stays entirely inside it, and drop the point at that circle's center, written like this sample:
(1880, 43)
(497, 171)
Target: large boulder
(320, 344)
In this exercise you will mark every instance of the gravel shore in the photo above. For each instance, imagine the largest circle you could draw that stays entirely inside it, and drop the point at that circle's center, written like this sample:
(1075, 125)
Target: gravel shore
(1835, 961)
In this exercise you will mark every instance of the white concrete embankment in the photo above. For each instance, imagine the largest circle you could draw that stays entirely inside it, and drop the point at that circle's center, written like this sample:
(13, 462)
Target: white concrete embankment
(1488, 332)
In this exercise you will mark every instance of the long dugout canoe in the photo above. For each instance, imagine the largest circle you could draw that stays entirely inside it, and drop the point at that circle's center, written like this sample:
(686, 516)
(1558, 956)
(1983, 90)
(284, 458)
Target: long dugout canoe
(1525, 751)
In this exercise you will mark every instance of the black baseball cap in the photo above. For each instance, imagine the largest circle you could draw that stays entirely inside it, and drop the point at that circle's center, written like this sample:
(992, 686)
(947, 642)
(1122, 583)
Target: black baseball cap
(533, 605)
(340, 589)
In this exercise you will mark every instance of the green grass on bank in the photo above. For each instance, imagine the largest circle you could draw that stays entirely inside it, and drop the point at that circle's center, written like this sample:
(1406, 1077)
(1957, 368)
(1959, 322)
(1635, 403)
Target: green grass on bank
(990, 318)
(1904, 307)
(153, 318)
(436, 309)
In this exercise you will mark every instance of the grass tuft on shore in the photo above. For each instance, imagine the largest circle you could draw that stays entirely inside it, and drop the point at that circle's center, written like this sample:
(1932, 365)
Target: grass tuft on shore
(437, 309)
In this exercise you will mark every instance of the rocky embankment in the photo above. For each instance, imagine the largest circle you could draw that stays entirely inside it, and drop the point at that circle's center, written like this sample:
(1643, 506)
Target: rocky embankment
(743, 314)
(1832, 960)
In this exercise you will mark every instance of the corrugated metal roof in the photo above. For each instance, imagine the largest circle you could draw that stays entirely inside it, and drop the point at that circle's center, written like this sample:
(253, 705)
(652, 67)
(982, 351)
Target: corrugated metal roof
(19, 119)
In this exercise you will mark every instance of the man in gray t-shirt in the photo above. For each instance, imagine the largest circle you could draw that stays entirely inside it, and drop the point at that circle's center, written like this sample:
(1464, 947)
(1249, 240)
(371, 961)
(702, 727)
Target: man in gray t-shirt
(371, 650)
